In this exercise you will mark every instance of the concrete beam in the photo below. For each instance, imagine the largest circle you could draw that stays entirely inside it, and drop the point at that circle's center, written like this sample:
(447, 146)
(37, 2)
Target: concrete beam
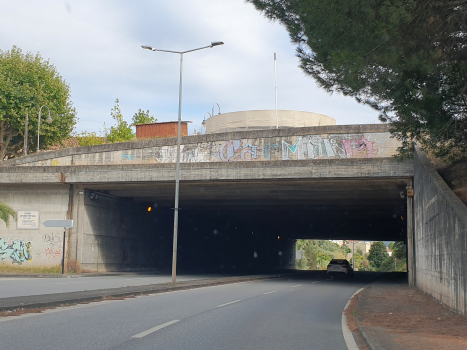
(296, 169)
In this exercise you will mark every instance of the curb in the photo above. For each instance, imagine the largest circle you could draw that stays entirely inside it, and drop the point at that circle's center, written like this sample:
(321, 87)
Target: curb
(39, 275)
(348, 337)
(54, 300)
(366, 339)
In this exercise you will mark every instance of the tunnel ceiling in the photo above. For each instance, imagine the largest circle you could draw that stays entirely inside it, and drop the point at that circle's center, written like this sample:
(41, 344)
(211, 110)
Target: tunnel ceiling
(316, 209)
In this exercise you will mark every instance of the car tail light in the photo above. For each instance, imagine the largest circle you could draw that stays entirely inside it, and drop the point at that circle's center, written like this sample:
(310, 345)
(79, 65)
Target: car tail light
(344, 267)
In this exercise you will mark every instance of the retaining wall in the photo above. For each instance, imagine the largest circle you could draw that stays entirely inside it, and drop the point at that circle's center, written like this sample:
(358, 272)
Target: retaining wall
(323, 142)
(33, 247)
(440, 238)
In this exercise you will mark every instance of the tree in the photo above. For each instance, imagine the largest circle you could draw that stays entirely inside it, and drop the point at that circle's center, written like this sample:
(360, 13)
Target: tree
(121, 131)
(378, 254)
(142, 117)
(317, 253)
(89, 139)
(400, 251)
(28, 82)
(407, 59)
(6, 212)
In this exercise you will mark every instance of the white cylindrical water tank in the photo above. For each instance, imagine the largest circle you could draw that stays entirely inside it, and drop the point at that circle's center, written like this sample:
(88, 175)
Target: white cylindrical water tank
(264, 120)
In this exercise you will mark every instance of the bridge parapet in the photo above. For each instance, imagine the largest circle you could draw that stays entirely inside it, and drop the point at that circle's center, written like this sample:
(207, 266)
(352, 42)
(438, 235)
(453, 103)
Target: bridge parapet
(324, 142)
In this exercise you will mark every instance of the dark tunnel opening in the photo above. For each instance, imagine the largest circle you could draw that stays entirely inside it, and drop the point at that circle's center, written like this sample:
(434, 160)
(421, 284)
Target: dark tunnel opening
(235, 227)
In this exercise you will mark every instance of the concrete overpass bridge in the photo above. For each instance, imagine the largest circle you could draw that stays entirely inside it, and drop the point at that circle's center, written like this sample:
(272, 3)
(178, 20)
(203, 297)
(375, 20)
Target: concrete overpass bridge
(245, 198)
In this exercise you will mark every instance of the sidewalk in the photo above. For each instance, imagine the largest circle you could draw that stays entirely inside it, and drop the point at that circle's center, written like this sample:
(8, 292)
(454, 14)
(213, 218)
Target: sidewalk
(391, 315)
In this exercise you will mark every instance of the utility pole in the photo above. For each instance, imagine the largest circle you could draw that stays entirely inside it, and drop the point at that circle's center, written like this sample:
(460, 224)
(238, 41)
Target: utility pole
(275, 89)
(353, 255)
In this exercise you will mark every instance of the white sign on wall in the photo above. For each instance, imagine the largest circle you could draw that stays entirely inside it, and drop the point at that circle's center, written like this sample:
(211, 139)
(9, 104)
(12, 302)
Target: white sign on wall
(28, 220)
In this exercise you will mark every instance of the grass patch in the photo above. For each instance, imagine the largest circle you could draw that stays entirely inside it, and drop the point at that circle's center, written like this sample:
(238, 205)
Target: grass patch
(6, 268)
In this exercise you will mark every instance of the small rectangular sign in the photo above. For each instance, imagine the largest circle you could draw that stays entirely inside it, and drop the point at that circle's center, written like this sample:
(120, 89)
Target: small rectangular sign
(27, 219)
(58, 223)
(298, 255)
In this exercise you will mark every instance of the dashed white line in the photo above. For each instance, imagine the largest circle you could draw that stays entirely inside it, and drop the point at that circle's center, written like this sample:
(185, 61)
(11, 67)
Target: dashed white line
(232, 302)
(298, 285)
(270, 292)
(154, 329)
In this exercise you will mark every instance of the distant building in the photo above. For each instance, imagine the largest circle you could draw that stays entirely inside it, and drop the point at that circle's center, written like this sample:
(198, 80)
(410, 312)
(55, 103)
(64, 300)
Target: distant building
(157, 130)
(364, 246)
(264, 120)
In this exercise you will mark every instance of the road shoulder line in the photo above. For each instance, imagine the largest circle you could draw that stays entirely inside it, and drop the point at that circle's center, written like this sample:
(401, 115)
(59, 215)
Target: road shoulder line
(348, 337)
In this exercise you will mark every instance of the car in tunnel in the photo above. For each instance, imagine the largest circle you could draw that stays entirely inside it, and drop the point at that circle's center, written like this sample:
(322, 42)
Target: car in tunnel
(339, 267)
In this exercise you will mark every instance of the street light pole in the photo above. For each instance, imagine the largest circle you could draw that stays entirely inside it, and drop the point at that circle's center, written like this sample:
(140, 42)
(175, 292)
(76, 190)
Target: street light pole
(26, 127)
(177, 173)
(48, 120)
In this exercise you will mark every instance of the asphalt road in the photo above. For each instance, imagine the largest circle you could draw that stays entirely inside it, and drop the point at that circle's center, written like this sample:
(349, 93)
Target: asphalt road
(22, 286)
(289, 313)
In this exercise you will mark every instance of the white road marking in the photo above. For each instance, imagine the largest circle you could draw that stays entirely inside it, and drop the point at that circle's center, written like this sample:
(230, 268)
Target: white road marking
(270, 292)
(235, 301)
(71, 282)
(315, 282)
(155, 329)
(298, 285)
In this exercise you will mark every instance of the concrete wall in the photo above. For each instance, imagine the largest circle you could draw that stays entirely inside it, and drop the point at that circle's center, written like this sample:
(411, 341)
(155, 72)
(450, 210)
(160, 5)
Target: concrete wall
(33, 249)
(113, 235)
(325, 142)
(108, 234)
(440, 238)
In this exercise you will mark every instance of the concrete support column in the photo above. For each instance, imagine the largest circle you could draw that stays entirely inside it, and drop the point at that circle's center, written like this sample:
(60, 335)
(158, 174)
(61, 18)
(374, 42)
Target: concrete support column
(410, 234)
(76, 212)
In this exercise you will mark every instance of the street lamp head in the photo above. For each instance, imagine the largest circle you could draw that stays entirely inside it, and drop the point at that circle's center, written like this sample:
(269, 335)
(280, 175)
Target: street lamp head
(217, 43)
(147, 47)
(49, 118)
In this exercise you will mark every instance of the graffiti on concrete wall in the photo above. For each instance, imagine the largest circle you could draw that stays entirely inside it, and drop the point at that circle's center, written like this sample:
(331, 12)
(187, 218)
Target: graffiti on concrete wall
(18, 251)
(53, 253)
(332, 146)
(231, 151)
(314, 146)
(126, 156)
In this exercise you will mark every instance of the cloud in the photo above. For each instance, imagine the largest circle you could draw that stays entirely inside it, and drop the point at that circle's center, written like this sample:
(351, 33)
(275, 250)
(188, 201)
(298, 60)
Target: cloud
(96, 48)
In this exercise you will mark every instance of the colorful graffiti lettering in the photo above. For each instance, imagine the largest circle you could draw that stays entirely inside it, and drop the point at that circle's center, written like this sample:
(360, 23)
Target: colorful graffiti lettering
(231, 151)
(336, 146)
(128, 156)
(52, 253)
(287, 147)
(362, 148)
(18, 251)
(268, 149)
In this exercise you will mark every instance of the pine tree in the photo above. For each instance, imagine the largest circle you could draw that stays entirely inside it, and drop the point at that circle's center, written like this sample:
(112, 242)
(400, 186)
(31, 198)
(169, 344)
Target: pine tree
(377, 254)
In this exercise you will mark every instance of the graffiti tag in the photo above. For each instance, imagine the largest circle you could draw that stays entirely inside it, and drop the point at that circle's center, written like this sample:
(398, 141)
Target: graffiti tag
(52, 253)
(51, 238)
(231, 151)
(317, 146)
(18, 251)
(128, 156)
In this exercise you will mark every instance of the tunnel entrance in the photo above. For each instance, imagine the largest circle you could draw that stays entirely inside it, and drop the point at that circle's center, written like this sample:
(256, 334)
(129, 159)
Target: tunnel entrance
(363, 256)
(239, 226)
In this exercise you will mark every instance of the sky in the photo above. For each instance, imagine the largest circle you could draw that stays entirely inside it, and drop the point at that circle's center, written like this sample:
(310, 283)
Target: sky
(96, 47)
